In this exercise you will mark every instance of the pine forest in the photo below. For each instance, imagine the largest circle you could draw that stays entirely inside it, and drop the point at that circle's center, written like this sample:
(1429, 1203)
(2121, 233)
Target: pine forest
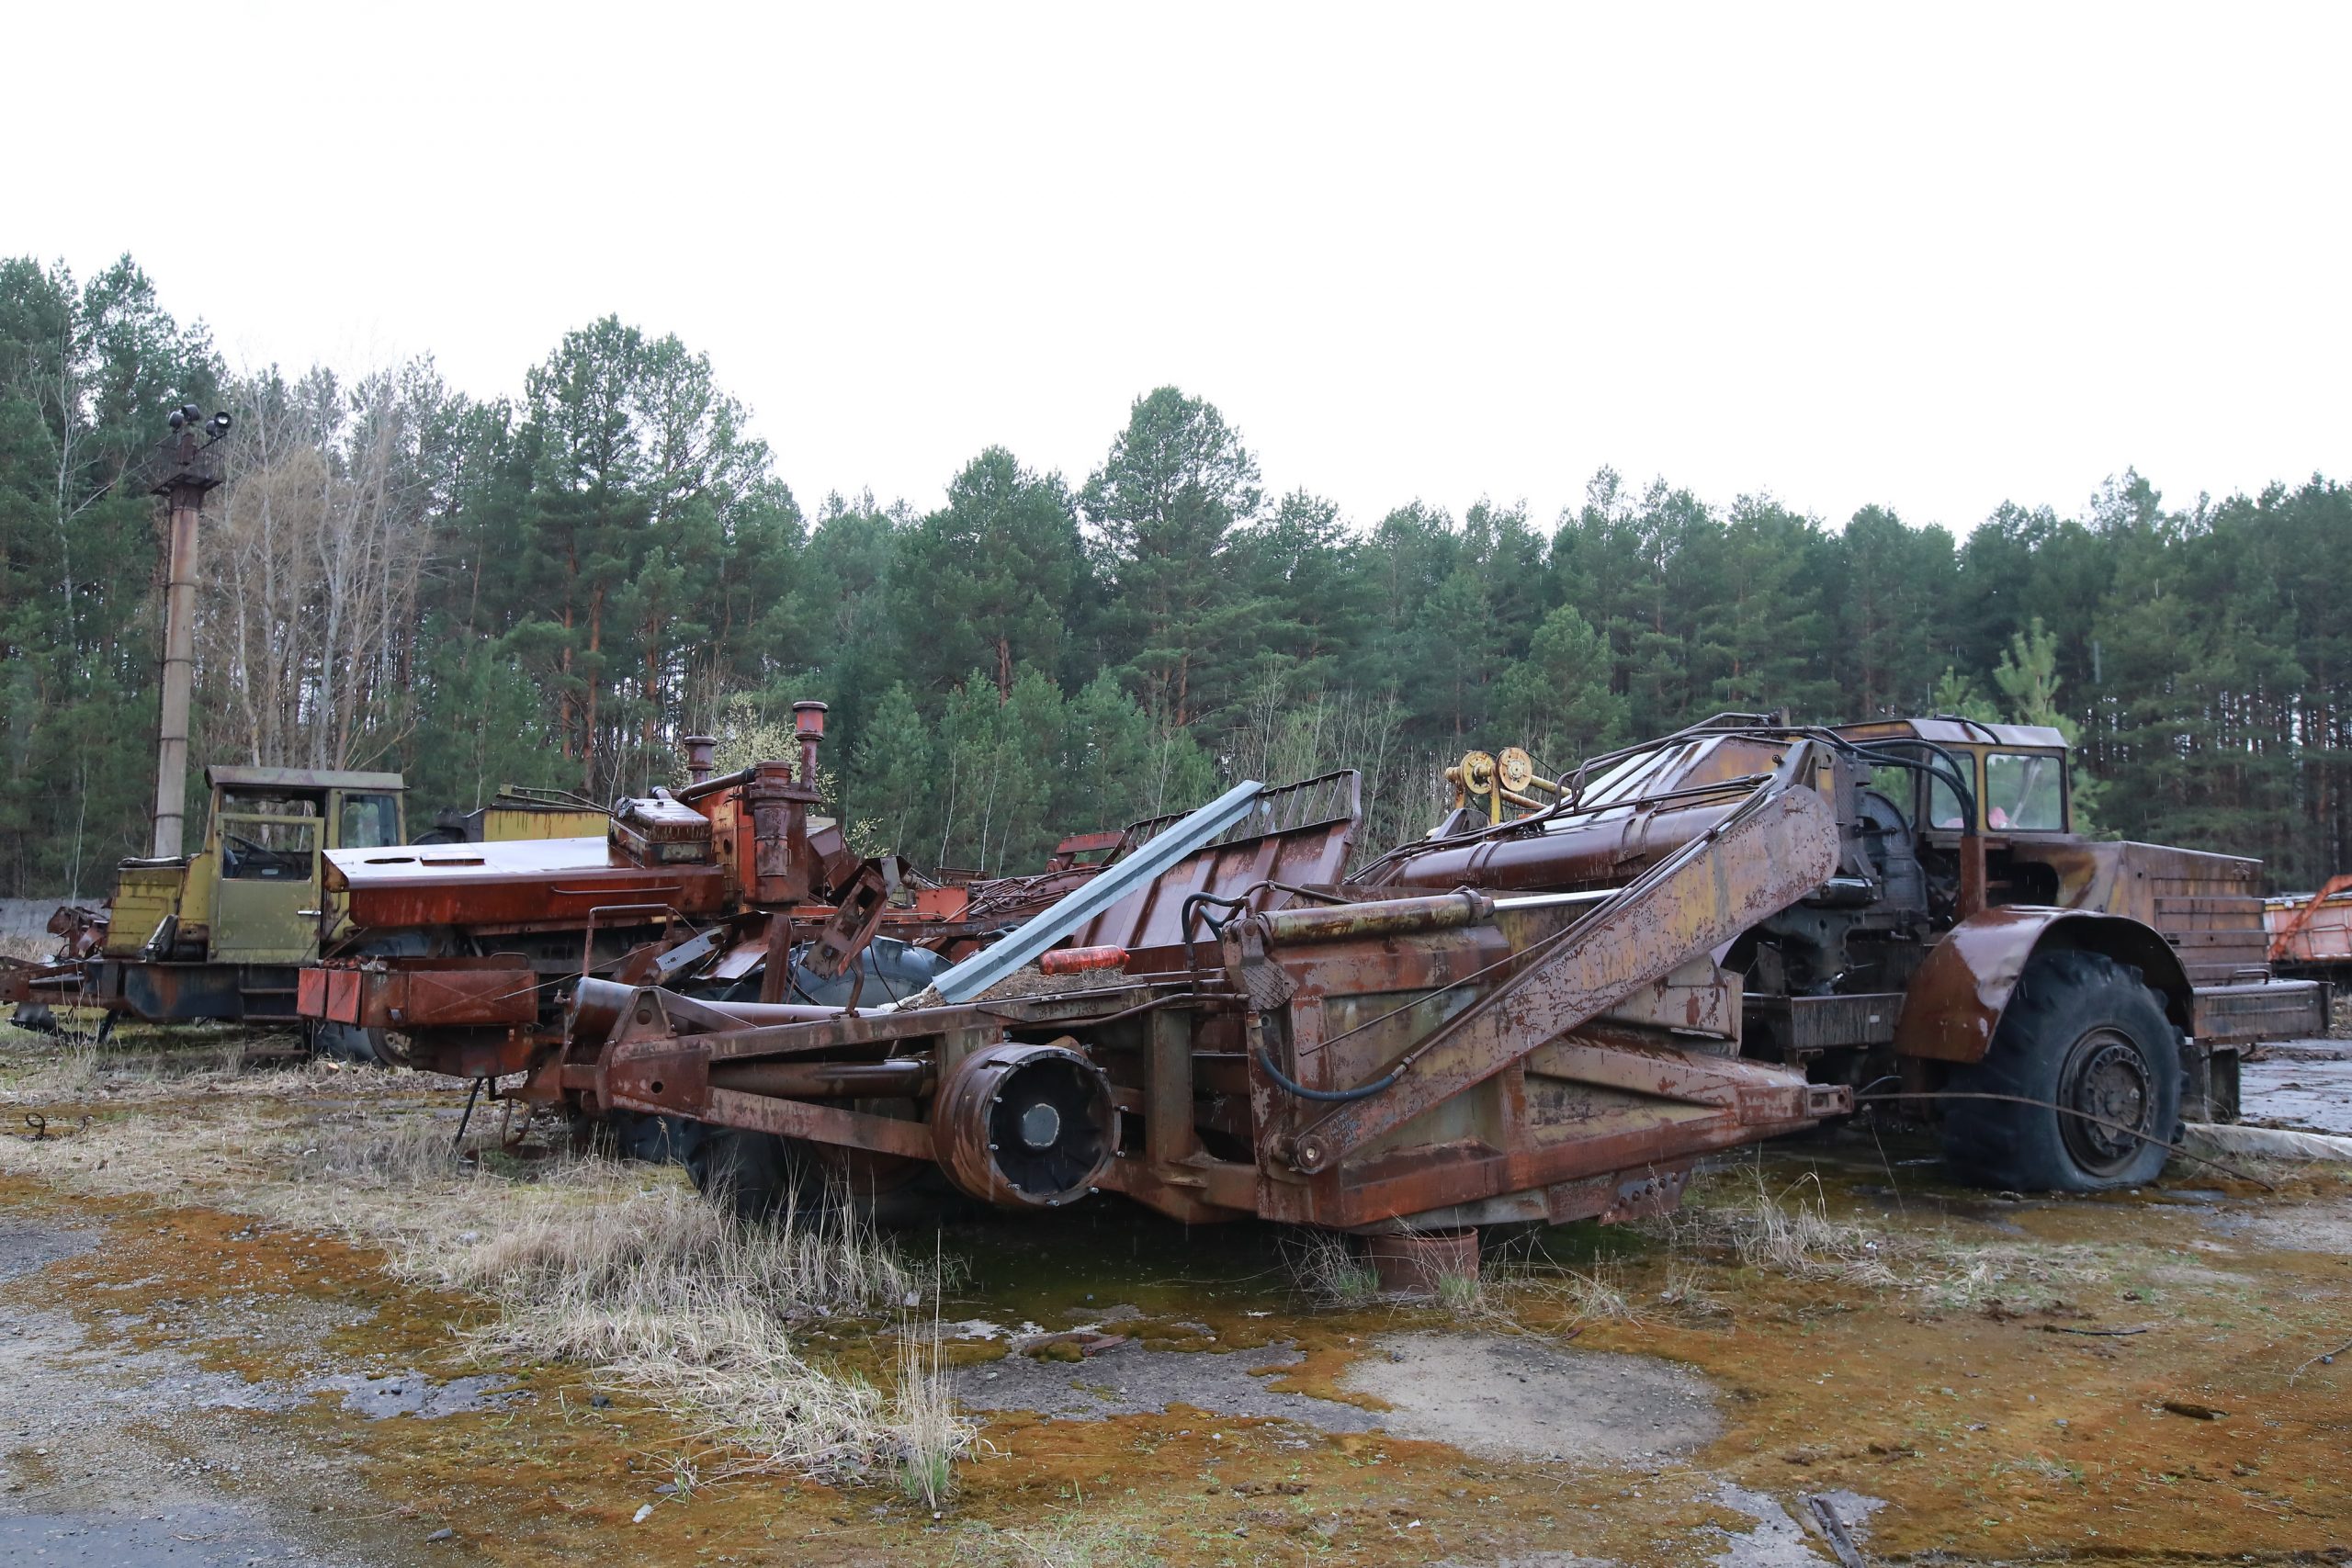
(551, 590)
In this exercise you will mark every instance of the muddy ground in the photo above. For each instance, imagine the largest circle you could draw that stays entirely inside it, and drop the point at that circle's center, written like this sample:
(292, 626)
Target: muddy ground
(193, 1375)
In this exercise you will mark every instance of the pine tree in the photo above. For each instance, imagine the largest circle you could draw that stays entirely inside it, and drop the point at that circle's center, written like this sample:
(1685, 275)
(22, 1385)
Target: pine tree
(989, 575)
(1556, 701)
(1164, 505)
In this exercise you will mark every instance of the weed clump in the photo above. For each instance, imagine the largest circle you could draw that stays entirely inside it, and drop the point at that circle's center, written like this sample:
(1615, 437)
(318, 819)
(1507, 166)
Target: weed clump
(1329, 1271)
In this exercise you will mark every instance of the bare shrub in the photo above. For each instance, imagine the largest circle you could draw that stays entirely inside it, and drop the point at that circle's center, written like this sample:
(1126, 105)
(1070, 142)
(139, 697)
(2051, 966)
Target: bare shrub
(1459, 1293)
(931, 1436)
(1579, 1296)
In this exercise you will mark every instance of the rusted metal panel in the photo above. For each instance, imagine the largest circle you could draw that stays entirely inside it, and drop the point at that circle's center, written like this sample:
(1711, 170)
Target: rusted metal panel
(420, 993)
(1698, 999)
(852, 924)
(909, 1078)
(2312, 928)
(2271, 1010)
(799, 1119)
(1301, 834)
(343, 995)
(1822, 1023)
(530, 884)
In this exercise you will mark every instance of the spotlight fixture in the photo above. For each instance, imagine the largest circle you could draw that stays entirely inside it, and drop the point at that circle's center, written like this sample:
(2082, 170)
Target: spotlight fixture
(220, 425)
(179, 418)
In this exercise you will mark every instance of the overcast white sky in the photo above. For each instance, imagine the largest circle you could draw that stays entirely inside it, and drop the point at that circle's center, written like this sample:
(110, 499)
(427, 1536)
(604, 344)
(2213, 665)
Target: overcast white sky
(1934, 258)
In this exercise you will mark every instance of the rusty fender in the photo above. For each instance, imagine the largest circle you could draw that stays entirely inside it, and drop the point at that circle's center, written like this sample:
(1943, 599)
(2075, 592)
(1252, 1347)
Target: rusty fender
(1956, 1000)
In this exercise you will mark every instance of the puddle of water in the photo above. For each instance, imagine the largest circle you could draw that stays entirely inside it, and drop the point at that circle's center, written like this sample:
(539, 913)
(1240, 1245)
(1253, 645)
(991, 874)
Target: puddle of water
(184, 1537)
(1132, 1380)
(2301, 1088)
(410, 1393)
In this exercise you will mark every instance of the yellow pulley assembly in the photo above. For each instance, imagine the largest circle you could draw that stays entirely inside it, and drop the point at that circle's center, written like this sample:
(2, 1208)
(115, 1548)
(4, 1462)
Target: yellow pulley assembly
(1516, 769)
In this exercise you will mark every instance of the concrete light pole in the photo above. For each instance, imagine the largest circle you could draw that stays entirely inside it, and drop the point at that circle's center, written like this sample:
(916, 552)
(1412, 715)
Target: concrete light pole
(183, 471)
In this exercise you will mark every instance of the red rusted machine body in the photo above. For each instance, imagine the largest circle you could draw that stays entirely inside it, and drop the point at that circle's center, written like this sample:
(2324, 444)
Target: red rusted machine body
(2311, 933)
(457, 956)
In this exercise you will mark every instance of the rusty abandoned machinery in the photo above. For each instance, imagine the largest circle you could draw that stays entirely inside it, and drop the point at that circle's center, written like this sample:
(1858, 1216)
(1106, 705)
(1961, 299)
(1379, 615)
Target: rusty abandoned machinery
(1548, 1008)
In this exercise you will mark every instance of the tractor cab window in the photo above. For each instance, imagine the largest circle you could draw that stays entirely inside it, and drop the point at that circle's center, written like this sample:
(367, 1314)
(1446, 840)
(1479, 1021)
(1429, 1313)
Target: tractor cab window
(1943, 802)
(2025, 792)
(267, 838)
(370, 822)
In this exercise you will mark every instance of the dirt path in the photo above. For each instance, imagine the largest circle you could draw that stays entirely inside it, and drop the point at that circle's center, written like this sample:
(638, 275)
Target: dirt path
(80, 1416)
(1954, 1377)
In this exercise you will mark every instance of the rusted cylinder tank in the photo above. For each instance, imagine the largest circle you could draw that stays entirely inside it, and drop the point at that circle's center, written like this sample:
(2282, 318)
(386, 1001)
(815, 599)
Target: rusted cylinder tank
(1026, 1127)
(1078, 960)
(779, 835)
(1390, 917)
(596, 1006)
(1587, 854)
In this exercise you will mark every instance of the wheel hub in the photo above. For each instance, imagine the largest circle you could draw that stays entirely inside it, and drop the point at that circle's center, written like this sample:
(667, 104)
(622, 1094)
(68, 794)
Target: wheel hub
(2110, 1098)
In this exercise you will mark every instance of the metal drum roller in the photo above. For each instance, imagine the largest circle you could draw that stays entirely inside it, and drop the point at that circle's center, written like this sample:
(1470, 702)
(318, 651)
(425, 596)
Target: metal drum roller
(1026, 1127)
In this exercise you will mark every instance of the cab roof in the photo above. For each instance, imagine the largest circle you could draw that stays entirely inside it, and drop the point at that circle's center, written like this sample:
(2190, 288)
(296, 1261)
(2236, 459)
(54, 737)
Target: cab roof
(1947, 730)
(299, 778)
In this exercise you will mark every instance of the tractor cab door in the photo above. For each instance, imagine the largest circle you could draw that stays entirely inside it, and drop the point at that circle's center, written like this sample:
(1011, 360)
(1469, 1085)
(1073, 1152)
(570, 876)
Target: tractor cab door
(266, 904)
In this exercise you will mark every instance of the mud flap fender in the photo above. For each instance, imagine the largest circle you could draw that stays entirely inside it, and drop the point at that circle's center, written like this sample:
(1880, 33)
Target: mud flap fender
(1956, 1000)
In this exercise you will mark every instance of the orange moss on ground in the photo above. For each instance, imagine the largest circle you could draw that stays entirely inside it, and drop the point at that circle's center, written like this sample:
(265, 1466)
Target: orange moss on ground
(1994, 1432)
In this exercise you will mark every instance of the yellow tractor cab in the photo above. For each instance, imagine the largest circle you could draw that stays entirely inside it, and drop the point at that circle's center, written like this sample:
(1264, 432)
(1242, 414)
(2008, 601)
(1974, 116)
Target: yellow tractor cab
(218, 934)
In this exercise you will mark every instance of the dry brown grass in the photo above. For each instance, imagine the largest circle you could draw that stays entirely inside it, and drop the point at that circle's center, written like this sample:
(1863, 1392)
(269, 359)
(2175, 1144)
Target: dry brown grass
(620, 1269)
(1072, 1540)
(1785, 1230)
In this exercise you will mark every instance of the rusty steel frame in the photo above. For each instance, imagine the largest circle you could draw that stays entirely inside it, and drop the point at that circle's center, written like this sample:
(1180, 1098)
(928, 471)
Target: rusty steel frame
(1756, 862)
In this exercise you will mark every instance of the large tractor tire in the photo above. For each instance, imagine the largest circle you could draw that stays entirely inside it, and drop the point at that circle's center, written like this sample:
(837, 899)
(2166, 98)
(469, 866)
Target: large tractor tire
(2084, 1035)
(656, 1140)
